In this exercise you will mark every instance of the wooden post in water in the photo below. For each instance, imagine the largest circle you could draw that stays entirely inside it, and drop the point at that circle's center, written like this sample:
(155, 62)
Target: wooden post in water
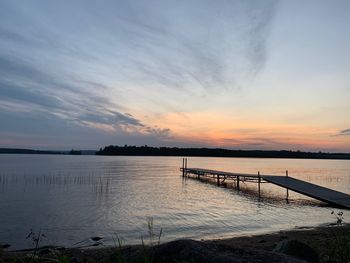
(218, 179)
(237, 182)
(259, 181)
(287, 197)
(183, 167)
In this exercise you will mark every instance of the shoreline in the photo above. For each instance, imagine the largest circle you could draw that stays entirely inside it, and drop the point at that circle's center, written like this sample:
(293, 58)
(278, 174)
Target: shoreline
(147, 151)
(248, 248)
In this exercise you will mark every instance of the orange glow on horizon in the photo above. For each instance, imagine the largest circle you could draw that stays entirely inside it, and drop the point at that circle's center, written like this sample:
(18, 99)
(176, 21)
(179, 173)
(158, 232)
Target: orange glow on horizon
(219, 130)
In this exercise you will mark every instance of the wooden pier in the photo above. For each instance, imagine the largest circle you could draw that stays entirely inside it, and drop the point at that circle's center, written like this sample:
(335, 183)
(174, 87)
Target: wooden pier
(321, 193)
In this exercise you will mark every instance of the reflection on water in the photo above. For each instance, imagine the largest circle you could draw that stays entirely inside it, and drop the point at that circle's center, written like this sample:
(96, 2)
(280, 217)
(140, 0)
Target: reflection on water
(73, 197)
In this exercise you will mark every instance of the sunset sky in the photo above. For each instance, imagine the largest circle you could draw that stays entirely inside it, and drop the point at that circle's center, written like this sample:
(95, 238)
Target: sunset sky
(231, 74)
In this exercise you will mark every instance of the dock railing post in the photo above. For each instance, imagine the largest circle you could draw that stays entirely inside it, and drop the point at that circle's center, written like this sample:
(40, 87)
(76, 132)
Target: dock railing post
(287, 197)
(259, 181)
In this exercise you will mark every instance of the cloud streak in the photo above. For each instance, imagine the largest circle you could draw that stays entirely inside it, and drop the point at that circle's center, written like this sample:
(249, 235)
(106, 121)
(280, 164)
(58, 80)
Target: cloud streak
(212, 55)
(26, 89)
(345, 132)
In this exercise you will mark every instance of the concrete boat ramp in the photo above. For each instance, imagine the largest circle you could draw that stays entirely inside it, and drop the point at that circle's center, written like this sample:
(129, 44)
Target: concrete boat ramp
(321, 193)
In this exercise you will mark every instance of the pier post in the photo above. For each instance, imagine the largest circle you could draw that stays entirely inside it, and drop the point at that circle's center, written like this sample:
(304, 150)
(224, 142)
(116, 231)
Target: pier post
(287, 197)
(183, 167)
(259, 181)
(237, 182)
(218, 180)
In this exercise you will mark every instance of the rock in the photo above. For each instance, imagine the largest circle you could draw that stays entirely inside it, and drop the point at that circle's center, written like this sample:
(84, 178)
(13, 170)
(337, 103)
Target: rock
(4, 246)
(44, 251)
(95, 239)
(197, 251)
(297, 249)
(74, 260)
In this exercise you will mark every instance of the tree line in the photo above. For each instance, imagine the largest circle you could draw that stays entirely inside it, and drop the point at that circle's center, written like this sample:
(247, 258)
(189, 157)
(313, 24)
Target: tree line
(214, 152)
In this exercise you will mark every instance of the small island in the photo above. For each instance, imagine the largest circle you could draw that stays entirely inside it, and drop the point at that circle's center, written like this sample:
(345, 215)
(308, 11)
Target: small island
(74, 152)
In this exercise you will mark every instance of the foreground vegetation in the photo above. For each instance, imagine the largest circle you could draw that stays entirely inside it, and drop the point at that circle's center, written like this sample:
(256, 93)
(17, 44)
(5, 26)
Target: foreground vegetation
(322, 244)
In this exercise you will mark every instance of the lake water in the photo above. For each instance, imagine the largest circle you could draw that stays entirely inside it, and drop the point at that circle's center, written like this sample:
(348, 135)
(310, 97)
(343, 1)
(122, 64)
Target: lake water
(70, 198)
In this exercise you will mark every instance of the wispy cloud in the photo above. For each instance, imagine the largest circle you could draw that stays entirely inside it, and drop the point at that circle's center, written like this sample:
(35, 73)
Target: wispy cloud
(209, 49)
(345, 132)
(27, 89)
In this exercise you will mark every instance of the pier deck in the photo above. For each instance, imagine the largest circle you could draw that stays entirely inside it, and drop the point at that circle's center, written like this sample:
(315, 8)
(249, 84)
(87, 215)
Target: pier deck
(321, 193)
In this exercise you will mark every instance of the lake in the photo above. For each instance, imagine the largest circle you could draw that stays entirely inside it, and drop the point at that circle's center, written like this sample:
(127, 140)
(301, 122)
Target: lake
(71, 198)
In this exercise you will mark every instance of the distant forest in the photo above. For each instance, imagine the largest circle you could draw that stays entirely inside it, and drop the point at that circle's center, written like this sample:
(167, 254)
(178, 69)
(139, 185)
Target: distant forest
(175, 151)
(29, 151)
(209, 152)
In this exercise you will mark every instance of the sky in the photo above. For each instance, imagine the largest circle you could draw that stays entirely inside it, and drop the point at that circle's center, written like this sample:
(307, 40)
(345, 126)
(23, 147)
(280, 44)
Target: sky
(232, 74)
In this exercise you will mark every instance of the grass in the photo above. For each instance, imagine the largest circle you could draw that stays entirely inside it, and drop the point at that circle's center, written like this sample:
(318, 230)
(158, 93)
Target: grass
(147, 250)
(1, 254)
(118, 254)
(339, 245)
(118, 244)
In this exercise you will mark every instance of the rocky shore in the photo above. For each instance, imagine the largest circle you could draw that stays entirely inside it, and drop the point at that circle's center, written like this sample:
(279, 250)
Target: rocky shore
(321, 244)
